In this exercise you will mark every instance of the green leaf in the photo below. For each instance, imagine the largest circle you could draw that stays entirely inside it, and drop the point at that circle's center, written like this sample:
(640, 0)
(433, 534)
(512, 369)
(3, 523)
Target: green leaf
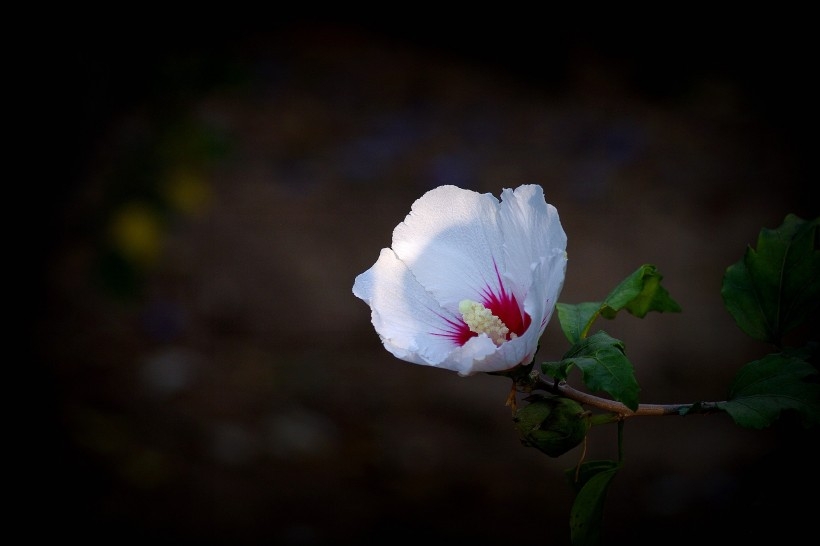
(587, 512)
(778, 382)
(603, 363)
(578, 477)
(639, 294)
(575, 319)
(775, 287)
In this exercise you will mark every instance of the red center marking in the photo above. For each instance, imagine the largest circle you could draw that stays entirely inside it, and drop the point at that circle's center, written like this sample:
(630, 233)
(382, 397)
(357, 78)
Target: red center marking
(504, 306)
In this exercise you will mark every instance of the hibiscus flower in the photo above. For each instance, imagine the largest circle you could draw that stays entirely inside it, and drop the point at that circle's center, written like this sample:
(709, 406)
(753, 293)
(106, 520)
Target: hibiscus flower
(470, 282)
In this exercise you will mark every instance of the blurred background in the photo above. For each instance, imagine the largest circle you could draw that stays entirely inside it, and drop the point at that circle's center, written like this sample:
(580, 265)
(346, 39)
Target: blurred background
(208, 376)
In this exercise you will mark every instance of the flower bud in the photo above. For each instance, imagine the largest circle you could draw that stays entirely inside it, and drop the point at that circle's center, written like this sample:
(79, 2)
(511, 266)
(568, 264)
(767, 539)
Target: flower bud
(552, 424)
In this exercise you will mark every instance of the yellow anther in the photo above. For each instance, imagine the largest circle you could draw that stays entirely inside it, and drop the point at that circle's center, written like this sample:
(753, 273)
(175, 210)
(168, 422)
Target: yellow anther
(482, 321)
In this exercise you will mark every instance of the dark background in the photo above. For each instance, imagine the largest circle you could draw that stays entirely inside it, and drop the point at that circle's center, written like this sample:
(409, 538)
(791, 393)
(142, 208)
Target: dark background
(209, 377)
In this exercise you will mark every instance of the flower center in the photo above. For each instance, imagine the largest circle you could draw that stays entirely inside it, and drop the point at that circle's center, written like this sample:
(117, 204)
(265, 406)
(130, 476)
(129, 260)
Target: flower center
(482, 321)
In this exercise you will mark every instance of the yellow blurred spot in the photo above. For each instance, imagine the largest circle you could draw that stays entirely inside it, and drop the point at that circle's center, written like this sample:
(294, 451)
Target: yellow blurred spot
(188, 192)
(136, 231)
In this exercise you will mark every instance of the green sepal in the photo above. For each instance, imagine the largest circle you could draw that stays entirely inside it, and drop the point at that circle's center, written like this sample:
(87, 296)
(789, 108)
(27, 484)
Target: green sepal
(551, 424)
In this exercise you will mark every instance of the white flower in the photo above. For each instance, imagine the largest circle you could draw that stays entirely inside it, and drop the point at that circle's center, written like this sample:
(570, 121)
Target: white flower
(470, 283)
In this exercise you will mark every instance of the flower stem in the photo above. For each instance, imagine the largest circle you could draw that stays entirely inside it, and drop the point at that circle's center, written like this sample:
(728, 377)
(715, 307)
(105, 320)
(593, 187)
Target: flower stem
(619, 410)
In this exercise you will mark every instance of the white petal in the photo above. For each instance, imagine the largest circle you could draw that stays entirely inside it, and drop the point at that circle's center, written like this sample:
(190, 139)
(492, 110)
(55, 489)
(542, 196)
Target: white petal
(532, 231)
(548, 281)
(457, 244)
(452, 243)
(406, 317)
(505, 357)
(476, 353)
